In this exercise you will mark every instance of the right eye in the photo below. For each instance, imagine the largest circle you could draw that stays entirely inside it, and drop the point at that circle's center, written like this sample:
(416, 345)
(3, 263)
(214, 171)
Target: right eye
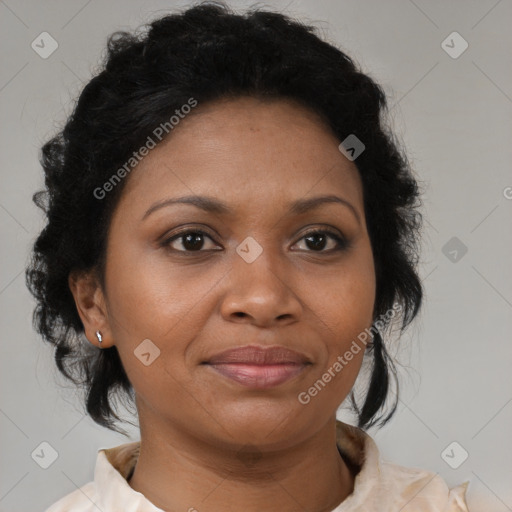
(192, 240)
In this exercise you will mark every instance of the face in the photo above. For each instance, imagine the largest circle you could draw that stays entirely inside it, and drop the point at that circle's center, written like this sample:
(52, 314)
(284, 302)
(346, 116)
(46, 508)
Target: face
(197, 282)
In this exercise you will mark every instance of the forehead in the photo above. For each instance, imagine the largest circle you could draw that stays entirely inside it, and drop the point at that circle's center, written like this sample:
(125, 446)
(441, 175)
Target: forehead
(264, 152)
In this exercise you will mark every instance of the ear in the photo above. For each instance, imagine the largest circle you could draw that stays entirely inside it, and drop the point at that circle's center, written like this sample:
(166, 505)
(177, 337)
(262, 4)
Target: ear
(91, 306)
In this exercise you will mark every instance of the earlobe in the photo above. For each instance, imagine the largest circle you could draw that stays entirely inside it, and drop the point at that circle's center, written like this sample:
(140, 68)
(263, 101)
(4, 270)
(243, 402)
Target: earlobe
(100, 338)
(90, 305)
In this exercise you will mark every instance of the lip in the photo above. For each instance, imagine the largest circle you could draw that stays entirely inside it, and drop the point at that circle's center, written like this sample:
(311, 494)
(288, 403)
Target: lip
(259, 367)
(257, 355)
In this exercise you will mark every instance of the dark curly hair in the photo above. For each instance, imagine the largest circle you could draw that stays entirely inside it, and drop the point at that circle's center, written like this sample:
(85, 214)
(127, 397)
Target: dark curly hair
(209, 52)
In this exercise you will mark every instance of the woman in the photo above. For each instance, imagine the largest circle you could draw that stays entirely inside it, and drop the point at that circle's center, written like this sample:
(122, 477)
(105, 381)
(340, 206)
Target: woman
(231, 233)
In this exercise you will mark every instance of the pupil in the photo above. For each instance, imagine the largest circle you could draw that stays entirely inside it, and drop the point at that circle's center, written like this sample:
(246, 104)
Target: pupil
(193, 241)
(317, 245)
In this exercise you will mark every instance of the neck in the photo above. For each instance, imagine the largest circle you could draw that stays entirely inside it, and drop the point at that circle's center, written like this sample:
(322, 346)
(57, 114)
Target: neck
(178, 472)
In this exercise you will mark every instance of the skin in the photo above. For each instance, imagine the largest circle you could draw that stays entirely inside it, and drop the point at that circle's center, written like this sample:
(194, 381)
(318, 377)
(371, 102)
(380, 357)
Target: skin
(207, 442)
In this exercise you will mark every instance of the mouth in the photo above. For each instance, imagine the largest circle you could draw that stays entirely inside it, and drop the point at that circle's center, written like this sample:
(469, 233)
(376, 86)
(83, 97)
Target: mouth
(259, 367)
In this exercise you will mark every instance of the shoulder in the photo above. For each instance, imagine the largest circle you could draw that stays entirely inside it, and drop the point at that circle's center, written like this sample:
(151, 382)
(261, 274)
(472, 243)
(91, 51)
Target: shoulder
(109, 489)
(380, 485)
(83, 499)
(418, 490)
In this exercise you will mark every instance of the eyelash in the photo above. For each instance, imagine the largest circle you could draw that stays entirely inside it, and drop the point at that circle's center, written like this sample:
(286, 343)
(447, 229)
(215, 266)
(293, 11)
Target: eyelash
(343, 244)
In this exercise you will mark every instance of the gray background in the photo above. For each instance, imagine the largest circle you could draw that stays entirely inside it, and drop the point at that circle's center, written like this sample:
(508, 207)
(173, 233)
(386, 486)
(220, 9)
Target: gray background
(453, 115)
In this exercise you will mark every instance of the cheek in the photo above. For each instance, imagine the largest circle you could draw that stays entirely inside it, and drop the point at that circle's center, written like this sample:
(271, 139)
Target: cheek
(151, 298)
(149, 295)
(346, 313)
(349, 300)
(149, 305)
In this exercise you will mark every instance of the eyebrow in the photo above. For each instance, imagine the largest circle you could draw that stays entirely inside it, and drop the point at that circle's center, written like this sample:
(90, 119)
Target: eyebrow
(212, 205)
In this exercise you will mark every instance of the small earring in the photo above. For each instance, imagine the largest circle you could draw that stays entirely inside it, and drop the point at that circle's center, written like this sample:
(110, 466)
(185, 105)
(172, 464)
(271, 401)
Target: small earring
(100, 337)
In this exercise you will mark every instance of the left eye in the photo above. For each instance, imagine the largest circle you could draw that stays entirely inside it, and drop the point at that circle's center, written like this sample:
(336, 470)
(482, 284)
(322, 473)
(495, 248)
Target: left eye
(317, 240)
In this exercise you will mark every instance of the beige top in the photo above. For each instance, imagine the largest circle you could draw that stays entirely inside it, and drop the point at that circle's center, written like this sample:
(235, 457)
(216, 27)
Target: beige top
(379, 486)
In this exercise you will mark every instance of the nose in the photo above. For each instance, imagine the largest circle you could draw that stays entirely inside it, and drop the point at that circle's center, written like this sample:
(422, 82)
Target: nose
(261, 293)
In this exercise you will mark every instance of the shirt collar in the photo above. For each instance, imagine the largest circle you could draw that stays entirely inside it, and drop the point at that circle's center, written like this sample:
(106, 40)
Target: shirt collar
(113, 466)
